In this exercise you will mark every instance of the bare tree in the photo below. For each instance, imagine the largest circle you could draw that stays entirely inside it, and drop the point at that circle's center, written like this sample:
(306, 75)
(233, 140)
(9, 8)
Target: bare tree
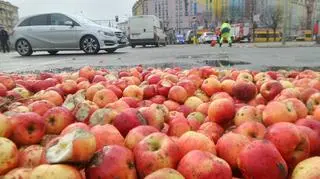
(272, 18)
(310, 8)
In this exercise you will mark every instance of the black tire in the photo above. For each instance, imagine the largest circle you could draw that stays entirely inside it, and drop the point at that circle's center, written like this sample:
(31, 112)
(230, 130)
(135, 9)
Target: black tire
(112, 50)
(23, 47)
(90, 45)
(53, 52)
(133, 46)
(144, 45)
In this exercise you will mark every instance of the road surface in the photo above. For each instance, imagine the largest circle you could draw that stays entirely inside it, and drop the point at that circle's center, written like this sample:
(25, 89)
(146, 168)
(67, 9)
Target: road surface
(186, 56)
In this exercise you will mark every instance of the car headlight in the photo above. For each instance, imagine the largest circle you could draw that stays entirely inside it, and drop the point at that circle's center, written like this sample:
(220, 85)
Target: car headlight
(107, 33)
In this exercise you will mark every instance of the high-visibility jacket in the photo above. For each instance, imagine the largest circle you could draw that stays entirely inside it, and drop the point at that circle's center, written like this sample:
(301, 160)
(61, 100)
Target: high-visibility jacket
(225, 28)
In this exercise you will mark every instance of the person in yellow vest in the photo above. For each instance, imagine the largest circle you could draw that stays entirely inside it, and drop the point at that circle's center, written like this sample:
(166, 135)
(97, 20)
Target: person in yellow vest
(225, 33)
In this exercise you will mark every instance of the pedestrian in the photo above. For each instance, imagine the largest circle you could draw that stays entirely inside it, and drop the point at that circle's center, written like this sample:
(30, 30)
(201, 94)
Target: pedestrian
(316, 29)
(225, 33)
(4, 37)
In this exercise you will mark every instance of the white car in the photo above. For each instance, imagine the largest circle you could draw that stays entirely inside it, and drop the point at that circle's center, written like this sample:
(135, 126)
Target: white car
(207, 37)
(55, 32)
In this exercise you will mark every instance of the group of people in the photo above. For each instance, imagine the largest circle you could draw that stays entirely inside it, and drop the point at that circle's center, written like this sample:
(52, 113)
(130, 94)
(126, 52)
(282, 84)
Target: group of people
(4, 38)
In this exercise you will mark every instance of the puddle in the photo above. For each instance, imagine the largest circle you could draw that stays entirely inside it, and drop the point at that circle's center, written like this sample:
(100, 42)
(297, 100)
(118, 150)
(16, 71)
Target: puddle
(224, 63)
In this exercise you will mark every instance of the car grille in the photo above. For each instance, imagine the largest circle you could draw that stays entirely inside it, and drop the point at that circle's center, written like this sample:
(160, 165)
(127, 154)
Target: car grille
(119, 34)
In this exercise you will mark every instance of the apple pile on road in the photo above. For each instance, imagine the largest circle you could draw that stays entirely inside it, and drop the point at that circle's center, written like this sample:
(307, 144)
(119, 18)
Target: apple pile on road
(160, 123)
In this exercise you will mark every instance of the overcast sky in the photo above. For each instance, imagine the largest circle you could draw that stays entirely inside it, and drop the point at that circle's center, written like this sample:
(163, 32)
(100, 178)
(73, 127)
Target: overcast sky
(93, 9)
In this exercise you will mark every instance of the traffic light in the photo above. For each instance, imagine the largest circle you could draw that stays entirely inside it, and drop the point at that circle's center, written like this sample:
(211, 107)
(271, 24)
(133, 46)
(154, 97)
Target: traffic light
(117, 18)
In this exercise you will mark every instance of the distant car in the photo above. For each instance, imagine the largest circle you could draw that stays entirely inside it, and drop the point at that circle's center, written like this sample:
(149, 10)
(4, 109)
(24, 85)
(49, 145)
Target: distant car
(55, 32)
(207, 37)
(146, 30)
(180, 39)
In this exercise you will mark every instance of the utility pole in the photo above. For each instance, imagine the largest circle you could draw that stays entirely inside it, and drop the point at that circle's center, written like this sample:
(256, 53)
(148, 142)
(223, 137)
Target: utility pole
(285, 21)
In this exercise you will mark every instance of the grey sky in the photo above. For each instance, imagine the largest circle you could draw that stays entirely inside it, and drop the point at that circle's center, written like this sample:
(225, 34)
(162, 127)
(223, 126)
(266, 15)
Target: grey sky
(93, 9)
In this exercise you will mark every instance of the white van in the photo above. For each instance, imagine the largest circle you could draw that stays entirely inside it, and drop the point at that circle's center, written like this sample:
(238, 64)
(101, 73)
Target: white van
(146, 30)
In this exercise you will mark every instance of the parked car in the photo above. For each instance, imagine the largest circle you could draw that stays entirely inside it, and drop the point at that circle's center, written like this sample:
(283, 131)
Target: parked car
(180, 39)
(146, 30)
(207, 38)
(55, 32)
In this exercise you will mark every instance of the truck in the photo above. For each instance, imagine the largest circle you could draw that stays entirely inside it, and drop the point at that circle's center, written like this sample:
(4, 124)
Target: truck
(146, 30)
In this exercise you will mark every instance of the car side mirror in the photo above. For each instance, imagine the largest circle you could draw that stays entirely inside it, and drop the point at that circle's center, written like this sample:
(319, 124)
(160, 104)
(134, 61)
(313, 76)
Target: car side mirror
(69, 23)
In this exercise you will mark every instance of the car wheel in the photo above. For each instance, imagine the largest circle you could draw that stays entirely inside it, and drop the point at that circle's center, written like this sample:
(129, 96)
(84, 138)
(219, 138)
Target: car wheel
(133, 46)
(90, 45)
(144, 45)
(53, 52)
(23, 47)
(111, 50)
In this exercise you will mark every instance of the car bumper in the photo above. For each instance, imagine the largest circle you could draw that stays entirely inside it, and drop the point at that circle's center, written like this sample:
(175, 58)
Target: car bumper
(142, 41)
(113, 43)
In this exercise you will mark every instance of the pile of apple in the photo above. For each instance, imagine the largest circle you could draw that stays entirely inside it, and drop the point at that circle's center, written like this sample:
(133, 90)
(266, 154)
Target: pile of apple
(202, 123)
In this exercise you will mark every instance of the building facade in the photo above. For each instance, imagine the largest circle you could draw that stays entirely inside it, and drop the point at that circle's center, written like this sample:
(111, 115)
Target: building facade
(8, 15)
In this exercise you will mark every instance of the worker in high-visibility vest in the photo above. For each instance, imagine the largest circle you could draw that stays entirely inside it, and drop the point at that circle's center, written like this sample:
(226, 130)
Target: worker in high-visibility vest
(225, 33)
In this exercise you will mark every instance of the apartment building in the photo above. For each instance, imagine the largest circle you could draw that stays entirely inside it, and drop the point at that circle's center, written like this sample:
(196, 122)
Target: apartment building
(8, 15)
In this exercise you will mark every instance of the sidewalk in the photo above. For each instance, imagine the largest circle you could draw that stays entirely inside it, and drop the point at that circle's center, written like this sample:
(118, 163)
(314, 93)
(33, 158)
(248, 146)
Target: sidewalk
(288, 44)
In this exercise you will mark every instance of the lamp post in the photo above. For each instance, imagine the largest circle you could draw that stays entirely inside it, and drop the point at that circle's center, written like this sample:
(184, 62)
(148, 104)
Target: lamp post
(285, 21)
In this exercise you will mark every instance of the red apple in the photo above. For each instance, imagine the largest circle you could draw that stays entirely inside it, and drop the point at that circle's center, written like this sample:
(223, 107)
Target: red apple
(27, 128)
(136, 134)
(245, 114)
(178, 126)
(87, 72)
(3, 90)
(53, 97)
(154, 152)
(75, 146)
(251, 129)
(118, 160)
(104, 97)
(313, 102)
(40, 107)
(74, 126)
(127, 120)
(276, 112)
(158, 99)
(155, 116)
(107, 135)
(244, 76)
(193, 102)
(293, 145)
(313, 140)
(8, 82)
(30, 156)
(221, 111)
(163, 87)
(171, 105)
(91, 91)
(195, 141)
(188, 85)
(308, 168)
(270, 89)
(311, 123)
(165, 173)
(153, 79)
(149, 91)
(261, 159)
(103, 116)
(55, 171)
(211, 85)
(211, 130)
(9, 155)
(200, 164)
(244, 90)
(178, 94)
(196, 119)
(19, 173)
(43, 84)
(299, 107)
(56, 119)
(229, 147)
(5, 126)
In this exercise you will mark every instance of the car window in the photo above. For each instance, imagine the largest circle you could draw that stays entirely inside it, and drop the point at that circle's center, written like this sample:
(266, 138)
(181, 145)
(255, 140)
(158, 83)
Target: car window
(59, 19)
(26, 22)
(39, 20)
